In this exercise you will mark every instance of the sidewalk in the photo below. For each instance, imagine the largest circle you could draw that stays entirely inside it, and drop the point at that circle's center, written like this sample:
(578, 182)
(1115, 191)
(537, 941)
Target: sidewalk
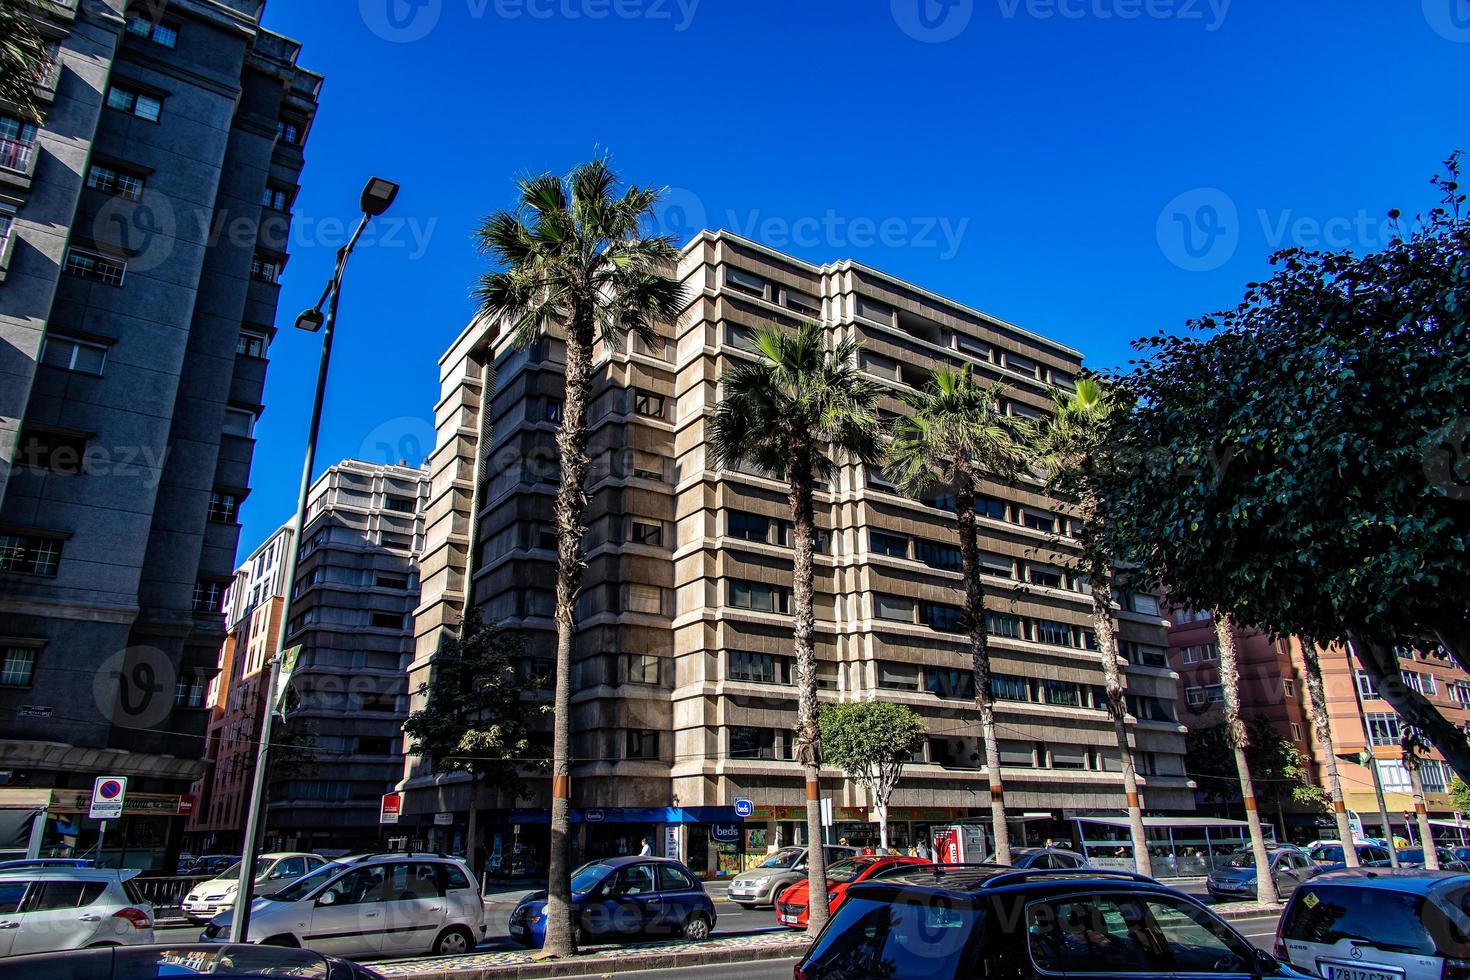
(1246, 910)
(603, 960)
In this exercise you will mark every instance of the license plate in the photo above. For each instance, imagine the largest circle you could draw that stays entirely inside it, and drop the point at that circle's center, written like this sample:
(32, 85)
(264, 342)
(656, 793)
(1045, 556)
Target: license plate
(787, 920)
(1346, 971)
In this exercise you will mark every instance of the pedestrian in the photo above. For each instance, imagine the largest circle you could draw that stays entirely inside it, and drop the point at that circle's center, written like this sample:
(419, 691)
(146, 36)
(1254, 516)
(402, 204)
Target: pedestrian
(923, 849)
(647, 848)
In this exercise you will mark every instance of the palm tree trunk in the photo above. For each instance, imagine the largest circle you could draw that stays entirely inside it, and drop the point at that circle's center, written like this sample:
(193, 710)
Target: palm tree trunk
(1230, 682)
(1421, 814)
(980, 659)
(571, 506)
(1107, 645)
(471, 825)
(808, 734)
(1322, 729)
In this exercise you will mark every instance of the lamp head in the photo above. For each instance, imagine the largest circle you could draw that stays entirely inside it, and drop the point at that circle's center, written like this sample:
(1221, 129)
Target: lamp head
(311, 321)
(378, 196)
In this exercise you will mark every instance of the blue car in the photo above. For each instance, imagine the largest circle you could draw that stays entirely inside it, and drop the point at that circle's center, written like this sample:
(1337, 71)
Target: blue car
(624, 898)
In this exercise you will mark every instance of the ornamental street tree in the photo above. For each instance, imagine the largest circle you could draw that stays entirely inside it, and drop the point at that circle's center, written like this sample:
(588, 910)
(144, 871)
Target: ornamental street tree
(25, 57)
(1300, 462)
(872, 741)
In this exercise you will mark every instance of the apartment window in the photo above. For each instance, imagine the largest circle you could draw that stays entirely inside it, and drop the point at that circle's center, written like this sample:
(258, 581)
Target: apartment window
(758, 597)
(894, 608)
(134, 103)
(644, 599)
(1288, 688)
(1205, 653)
(536, 673)
(51, 451)
(1147, 605)
(162, 32)
(1459, 690)
(1145, 654)
(935, 555)
(642, 744)
(741, 338)
(1296, 732)
(952, 684)
(1054, 633)
(643, 668)
(265, 269)
(1432, 775)
(802, 303)
(760, 743)
(745, 282)
(991, 507)
(387, 620)
(1215, 693)
(288, 131)
(1063, 693)
(1395, 776)
(18, 666)
(1006, 625)
(759, 668)
(875, 310)
(401, 505)
(115, 180)
(941, 616)
(1000, 565)
(1383, 728)
(223, 507)
(1195, 696)
(250, 344)
(29, 554)
(239, 422)
(1039, 520)
(552, 411)
(383, 581)
(972, 346)
(898, 677)
(1366, 687)
(648, 404)
(276, 198)
(17, 141)
(648, 534)
(98, 268)
(379, 702)
(208, 596)
(891, 545)
(1041, 575)
(189, 691)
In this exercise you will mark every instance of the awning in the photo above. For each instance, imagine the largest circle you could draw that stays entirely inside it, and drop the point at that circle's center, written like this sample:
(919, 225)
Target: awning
(15, 829)
(1165, 822)
(620, 815)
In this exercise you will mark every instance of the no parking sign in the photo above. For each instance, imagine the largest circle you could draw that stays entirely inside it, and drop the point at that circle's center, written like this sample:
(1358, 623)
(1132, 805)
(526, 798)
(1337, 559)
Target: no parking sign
(108, 793)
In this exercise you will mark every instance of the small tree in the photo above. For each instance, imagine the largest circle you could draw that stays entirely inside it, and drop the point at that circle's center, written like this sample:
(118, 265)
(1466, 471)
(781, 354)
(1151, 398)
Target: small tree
(872, 741)
(25, 57)
(1460, 796)
(474, 719)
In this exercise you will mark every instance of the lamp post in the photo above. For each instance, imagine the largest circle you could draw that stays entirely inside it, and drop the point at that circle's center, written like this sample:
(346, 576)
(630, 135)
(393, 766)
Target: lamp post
(377, 197)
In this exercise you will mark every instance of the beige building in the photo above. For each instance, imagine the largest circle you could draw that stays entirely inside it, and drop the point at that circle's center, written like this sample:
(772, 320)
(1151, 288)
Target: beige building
(684, 700)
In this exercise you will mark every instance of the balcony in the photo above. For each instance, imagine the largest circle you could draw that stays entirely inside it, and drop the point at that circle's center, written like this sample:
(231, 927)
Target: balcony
(18, 156)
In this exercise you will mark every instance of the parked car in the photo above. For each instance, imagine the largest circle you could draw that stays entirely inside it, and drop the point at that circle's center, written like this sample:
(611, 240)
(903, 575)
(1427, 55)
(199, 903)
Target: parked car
(761, 884)
(955, 922)
(46, 863)
(624, 898)
(791, 906)
(1043, 858)
(1448, 860)
(1383, 924)
(159, 962)
(210, 864)
(1325, 854)
(1235, 878)
(370, 905)
(46, 909)
(272, 873)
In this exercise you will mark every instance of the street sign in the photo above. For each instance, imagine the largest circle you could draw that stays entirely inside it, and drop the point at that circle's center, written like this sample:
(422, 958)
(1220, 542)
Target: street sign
(108, 794)
(443, 819)
(391, 807)
(744, 808)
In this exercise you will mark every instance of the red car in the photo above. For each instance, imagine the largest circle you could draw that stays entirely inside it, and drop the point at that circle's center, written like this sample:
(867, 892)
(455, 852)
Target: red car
(792, 903)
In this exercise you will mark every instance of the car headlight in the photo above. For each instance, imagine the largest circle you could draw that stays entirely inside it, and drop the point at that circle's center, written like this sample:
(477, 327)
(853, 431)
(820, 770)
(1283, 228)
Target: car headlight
(760, 882)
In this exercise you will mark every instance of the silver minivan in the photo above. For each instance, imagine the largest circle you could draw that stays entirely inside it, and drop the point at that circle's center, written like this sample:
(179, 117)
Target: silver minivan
(1379, 924)
(368, 907)
(781, 869)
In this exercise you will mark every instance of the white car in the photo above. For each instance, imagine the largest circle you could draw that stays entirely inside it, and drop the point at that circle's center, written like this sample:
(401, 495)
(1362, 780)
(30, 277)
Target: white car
(272, 873)
(370, 906)
(48, 909)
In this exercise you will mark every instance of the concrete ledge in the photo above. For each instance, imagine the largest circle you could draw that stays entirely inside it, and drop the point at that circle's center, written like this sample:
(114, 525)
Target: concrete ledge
(1246, 910)
(605, 961)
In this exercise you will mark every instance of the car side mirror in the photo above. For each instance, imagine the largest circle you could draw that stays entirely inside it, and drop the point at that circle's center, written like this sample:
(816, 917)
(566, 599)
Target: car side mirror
(328, 897)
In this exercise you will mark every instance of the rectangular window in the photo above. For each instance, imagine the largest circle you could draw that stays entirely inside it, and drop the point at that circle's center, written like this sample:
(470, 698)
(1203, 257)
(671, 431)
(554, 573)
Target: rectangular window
(134, 103)
(208, 596)
(802, 303)
(387, 620)
(898, 677)
(263, 269)
(759, 668)
(647, 599)
(941, 616)
(935, 555)
(648, 404)
(288, 131)
(223, 507)
(953, 684)
(1039, 520)
(250, 344)
(552, 410)
(991, 507)
(648, 534)
(1005, 625)
(1365, 685)
(1288, 687)
(29, 554)
(536, 673)
(1024, 365)
(1007, 687)
(384, 581)
(891, 545)
(189, 691)
(972, 346)
(17, 142)
(162, 32)
(115, 180)
(98, 268)
(1395, 776)
(1054, 633)
(745, 282)
(759, 743)
(239, 422)
(1215, 693)
(1044, 576)
(1432, 775)
(894, 608)
(642, 744)
(758, 597)
(998, 565)
(1064, 693)
(1147, 605)
(1383, 728)
(875, 310)
(18, 667)
(276, 198)
(50, 451)
(1195, 696)
(1068, 757)
(643, 668)
(879, 366)
(1296, 732)
(70, 354)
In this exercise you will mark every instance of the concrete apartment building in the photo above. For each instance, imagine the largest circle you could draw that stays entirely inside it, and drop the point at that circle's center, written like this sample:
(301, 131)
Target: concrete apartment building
(144, 226)
(356, 587)
(1273, 685)
(236, 698)
(684, 700)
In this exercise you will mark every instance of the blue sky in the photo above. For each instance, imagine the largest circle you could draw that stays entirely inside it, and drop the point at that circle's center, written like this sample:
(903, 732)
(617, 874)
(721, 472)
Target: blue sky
(1093, 170)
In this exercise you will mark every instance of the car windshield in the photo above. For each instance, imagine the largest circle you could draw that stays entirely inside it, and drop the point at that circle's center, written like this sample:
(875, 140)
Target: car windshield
(786, 857)
(148, 963)
(871, 938)
(588, 875)
(846, 870)
(1241, 859)
(262, 865)
(1331, 854)
(303, 886)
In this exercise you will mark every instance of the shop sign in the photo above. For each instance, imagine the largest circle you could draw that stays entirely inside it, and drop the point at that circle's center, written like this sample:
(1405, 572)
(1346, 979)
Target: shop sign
(594, 816)
(725, 833)
(744, 808)
(391, 807)
(443, 819)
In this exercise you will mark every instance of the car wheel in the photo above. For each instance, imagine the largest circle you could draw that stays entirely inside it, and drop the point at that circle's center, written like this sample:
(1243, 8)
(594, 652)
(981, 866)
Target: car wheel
(454, 941)
(287, 941)
(696, 928)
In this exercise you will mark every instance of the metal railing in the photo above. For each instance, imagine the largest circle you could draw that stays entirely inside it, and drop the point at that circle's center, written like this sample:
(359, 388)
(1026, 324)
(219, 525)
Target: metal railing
(167, 894)
(16, 155)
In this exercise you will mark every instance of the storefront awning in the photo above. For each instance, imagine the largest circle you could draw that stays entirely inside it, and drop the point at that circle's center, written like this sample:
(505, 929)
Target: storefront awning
(15, 829)
(621, 815)
(1166, 822)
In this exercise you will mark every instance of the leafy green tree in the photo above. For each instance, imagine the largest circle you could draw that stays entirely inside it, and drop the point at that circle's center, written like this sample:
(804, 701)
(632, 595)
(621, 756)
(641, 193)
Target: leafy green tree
(575, 264)
(1460, 796)
(958, 436)
(474, 719)
(793, 412)
(1281, 770)
(1072, 445)
(1300, 463)
(25, 57)
(872, 741)
(1239, 741)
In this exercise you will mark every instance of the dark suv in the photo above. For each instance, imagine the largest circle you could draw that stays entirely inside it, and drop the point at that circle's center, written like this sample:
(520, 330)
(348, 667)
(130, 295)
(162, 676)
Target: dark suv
(989, 921)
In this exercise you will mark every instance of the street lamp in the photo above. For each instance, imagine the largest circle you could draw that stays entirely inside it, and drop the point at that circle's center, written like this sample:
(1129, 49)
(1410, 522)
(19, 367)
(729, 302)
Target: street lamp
(377, 196)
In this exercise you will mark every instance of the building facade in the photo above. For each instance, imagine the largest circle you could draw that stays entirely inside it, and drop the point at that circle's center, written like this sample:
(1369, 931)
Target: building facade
(684, 699)
(144, 223)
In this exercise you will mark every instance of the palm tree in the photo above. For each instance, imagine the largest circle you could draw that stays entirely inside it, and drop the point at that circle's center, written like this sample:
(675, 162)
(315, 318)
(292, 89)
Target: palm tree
(1322, 729)
(25, 57)
(1071, 445)
(575, 263)
(793, 412)
(958, 436)
(1235, 734)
